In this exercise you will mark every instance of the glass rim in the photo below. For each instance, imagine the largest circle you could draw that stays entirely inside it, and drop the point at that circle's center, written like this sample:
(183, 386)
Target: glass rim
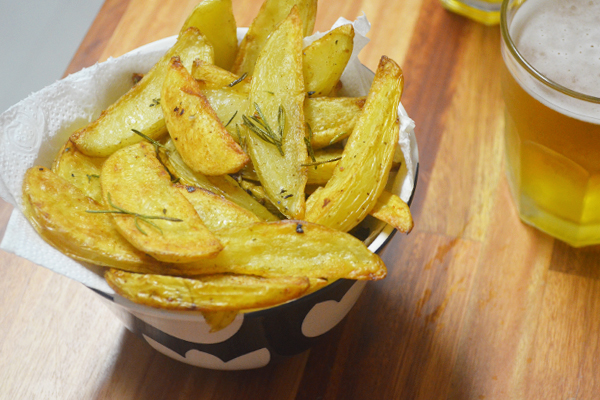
(527, 66)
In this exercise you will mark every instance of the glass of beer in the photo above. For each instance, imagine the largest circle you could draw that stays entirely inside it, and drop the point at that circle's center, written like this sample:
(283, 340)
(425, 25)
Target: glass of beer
(484, 11)
(551, 88)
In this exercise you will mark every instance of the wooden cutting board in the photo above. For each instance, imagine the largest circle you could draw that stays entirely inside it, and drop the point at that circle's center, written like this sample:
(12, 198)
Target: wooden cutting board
(476, 305)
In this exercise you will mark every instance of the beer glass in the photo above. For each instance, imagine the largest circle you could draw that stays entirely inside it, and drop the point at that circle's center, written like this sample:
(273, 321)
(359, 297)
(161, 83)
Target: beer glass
(551, 88)
(484, 11)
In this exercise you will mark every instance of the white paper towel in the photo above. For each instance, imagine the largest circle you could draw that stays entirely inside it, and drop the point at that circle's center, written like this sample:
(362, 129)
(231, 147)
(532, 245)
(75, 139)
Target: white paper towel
(33, 131)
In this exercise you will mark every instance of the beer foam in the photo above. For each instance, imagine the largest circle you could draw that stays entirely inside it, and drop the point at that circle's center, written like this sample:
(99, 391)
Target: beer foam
(561, 39)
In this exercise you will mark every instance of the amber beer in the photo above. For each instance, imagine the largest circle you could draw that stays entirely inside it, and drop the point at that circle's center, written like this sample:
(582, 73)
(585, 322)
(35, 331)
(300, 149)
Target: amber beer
(551, 87)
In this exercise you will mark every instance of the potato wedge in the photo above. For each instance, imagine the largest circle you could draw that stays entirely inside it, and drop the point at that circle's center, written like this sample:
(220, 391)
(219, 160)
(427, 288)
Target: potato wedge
(229, 106)
(277, 105)
(361, 174)
(59, 213)
(258, 192)
(325, 60)
(215, 211)
(214, 18)
(137, 109)
(271, 13)
(79, 169)
(206, 293)
(198, 134)
(164, 224)
(211, 76)
(393, 210)
(293, 248)
(332, 119)
(224, 185)
(219, 320)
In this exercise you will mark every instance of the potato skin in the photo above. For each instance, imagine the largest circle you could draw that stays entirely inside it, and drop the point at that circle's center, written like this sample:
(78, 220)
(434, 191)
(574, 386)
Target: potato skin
(134, 180)
(197, 133)
(362, 173)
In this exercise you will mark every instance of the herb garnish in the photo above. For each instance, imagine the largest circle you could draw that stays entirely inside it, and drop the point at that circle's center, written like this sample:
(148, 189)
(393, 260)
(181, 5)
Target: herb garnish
(231, 119)
(259, 125)
(90, 176)
(307, 142)
(337, 137)
(137, 217)
(157, 147)
(241, 78)
(321, 162)
(155, 102)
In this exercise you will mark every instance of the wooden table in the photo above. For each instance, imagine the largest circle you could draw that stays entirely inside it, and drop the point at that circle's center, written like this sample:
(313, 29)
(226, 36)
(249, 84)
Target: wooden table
(476, 304)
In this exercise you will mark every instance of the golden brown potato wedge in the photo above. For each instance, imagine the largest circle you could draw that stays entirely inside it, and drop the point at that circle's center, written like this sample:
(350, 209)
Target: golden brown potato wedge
(223, 185)
(332, 119)
(293, 248)
(198, 134)
(361, 175)
(215, 211)
(214, 18)
(59, 212)
(211, 76)
(271, 13)
(218, 320)
(277, 110)
(158, 219)
(79, 169)
(206, 293)
(229, 105)
(137, 109)
(325, 60)
(393, 210)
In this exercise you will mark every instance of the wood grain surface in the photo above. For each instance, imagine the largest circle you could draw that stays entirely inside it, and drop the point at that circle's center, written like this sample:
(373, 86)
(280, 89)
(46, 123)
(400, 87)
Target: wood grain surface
(476, 304)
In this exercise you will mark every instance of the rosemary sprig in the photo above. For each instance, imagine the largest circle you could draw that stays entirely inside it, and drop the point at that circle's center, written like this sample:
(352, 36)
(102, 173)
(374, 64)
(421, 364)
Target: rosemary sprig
(137, 217)
(316, 163)
(90, 176)
(241, 139)
(337, 137)
(157, 147)
(148, 138)
(231, 119)
(238, 80)
(262, 129)
(307, 142)
(155, 102)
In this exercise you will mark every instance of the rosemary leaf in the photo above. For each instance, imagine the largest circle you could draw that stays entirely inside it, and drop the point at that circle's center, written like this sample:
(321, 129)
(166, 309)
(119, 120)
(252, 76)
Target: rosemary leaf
(231, 119)
(241, 78)
(322, 162)
(137, 217)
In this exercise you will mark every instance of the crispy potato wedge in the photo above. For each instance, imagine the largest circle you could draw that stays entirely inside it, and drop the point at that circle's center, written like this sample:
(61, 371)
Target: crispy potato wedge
(137, 109)
(59, 213)
(293, 248)
(332, 119)
(198, 134)
(271, 13)
(215, 211)
(206, 293)
(219, 320)
(361, 174)
(211, 76)
(164, 225)
(277, 99)
(79, 169)
(325, 60)
(393, 210)
(214, 18)
(224, 185)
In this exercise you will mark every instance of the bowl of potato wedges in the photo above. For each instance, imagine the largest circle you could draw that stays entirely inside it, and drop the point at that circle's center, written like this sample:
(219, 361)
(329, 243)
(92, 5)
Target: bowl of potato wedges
(234, 196)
